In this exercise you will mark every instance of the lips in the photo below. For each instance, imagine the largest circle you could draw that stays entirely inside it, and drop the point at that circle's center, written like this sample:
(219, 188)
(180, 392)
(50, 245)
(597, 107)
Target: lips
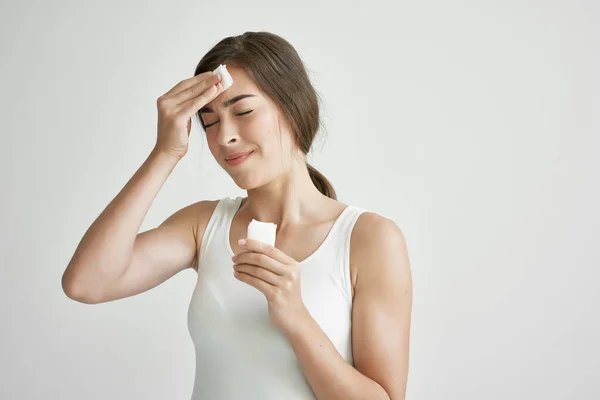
(238, 155)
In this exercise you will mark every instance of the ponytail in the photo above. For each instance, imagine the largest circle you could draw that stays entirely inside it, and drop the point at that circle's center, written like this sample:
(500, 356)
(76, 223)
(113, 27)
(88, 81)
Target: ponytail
(321, 182)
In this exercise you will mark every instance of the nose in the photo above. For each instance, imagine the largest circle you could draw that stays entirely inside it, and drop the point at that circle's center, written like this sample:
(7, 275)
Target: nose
(227, 134)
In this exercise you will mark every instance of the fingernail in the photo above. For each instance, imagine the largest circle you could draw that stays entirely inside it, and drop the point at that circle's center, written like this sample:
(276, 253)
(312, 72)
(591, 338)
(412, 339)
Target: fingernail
(242, 242)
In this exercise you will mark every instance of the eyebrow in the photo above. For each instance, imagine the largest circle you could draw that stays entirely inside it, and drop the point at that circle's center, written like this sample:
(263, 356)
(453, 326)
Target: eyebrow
(227, 103)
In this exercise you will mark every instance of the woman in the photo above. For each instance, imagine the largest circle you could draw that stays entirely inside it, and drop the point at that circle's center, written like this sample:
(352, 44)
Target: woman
(325, 314)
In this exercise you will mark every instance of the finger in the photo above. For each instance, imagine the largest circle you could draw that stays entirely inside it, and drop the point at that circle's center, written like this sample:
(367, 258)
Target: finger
(272, 252)
(260, 273)
(195, 90)
(186, 83)
(253, 281)
(262, 260)
(191, 106)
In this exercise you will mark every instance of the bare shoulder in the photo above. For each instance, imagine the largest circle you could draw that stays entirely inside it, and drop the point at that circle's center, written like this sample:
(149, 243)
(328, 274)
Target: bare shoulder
(195, 215)
(374, 238)
(370, 224)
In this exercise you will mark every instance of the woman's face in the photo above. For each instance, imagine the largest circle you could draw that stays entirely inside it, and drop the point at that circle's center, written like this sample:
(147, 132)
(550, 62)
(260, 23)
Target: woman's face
(244, 119)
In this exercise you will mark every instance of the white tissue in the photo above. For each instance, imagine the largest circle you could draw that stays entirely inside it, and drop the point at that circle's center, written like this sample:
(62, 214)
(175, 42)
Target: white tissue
(263, 231)
(226, 79)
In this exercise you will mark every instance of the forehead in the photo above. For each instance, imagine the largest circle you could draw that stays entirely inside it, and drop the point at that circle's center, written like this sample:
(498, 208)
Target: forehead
(243, 85)
(241, 77)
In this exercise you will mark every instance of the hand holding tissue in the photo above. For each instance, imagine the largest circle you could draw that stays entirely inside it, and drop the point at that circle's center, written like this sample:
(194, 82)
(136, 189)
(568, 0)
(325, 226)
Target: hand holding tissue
(226, 79)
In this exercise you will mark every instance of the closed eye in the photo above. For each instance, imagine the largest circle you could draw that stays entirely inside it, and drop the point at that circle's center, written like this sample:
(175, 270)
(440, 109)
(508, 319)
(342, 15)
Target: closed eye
(240, 114)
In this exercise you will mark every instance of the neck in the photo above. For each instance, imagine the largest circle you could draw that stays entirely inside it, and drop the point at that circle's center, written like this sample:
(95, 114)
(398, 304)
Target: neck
(287, 200)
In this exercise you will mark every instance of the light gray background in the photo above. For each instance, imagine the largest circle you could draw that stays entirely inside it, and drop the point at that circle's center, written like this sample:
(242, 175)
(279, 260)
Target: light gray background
(473, 125)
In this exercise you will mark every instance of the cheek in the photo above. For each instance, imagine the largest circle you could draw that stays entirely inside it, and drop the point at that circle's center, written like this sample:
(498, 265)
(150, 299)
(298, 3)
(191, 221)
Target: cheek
(261, 132)
(258, 125)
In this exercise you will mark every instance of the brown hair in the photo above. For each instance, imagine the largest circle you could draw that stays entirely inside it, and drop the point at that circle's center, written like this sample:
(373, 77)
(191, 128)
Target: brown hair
(279, 72)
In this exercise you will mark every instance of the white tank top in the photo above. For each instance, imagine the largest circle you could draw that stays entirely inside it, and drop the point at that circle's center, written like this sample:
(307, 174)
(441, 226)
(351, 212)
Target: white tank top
(240, 353)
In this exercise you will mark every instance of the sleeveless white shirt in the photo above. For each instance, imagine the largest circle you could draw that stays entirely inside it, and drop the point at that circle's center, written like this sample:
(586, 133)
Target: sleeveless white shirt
(240, 353)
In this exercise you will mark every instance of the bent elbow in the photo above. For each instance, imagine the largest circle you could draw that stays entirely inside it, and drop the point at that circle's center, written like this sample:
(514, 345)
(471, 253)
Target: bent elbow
(76, 293)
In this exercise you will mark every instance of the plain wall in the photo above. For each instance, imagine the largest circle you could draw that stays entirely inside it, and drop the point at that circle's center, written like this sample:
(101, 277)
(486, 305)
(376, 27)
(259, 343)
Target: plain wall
(473, 125)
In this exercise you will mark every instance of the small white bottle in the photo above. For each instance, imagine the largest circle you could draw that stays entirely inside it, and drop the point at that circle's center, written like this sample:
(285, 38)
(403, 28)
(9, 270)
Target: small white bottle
(263, 231)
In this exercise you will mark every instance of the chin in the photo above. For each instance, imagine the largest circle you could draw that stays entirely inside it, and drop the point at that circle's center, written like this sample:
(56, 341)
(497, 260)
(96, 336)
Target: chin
(252, 178)
(247, 183)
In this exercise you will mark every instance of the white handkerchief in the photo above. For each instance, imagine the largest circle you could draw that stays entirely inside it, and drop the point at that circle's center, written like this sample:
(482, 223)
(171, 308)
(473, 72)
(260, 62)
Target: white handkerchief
(263, 231)
(226, 79)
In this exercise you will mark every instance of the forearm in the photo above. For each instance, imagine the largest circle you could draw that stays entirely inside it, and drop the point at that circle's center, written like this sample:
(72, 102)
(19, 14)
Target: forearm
(329, 375)
(105, 250)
